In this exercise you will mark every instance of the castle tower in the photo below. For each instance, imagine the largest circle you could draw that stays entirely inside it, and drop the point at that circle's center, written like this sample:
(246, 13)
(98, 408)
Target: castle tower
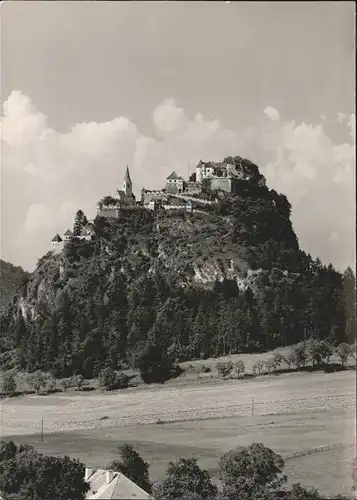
(127, 184)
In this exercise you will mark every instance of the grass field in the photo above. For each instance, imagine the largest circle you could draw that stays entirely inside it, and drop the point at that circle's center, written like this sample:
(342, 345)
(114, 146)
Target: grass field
(289, 413)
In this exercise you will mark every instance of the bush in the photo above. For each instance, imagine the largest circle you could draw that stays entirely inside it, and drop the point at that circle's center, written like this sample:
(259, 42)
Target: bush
(270, 365)
(258, 367)
(66, 384)
(9, 385)
(37, 381)
(239, 368)
(154, 365)
(111, 380)
(343, 351)
(107, 378)
(205, 369)
(319, 351)
(277, 359)
(224, 368)
(77, 381)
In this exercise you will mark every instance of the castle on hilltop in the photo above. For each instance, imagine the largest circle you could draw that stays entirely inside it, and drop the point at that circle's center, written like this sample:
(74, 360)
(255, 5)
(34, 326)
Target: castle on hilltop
(177, 194)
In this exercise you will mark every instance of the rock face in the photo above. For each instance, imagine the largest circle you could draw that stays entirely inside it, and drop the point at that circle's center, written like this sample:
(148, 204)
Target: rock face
(225, 278)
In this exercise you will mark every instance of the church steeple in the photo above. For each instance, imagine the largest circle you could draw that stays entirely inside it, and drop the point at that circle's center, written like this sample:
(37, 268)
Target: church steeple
(127, 184)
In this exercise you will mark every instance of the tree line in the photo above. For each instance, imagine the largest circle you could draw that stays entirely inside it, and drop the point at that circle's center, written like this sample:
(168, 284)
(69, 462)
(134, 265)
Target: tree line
(252, 472)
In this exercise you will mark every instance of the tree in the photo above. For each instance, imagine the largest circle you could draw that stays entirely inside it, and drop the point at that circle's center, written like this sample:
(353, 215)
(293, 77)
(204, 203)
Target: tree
(224, 368)
(300, 355)
(77, 381)
(9, 385)
(249, 471)
(80, 221)
(298, 492)
(37, 380)
(66, 384)
(133, 466)
(25, 473)
(185, 479)
(258, 367)
(111, 380)
(289, 358)
(319, 351)
(277, 359)
(107, 378)
(343, 351)
(153, 364)
(270, 365)
(239, 367)
(349, 300)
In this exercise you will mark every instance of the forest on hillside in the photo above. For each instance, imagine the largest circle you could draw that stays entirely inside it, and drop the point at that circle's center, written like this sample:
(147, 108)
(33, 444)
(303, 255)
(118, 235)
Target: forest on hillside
(101, 302)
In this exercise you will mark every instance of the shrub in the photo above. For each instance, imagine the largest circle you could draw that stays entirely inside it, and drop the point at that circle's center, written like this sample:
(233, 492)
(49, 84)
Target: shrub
(270, 365)
(9, 385)
(37, 381)
(66, 384)
(289, 358)
(319, 351)
(300, 355)
(205, 369)
(107, 378)
(224, 368)
(111, 380)
(154, 365)
(77, 381)
(258, 367)
(343, 351)
(239, 368)
(277, 359)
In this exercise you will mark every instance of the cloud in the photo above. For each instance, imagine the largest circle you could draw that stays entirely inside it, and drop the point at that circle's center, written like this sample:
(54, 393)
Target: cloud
(47, 176)
(272, 113)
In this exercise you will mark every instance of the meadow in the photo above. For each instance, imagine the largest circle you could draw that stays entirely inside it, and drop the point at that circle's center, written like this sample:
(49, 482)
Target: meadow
(288, 412)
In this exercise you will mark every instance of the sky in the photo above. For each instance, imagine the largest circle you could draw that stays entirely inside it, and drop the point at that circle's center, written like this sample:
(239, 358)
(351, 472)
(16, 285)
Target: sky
(89, 87)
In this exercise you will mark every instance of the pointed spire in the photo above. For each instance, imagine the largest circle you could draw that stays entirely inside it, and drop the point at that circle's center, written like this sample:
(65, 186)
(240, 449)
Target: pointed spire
(127, 175)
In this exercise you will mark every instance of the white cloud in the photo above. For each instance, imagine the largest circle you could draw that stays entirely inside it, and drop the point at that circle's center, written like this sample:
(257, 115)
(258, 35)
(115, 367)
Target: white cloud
(47, 176)
(272, 113)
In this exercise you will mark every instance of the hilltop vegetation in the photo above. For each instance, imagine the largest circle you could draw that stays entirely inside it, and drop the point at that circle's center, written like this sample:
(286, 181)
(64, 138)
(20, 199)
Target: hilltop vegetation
(11, 277)
(228, 278)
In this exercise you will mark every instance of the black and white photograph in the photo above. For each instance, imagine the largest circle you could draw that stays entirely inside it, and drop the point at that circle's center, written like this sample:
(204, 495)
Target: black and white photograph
(178, 250)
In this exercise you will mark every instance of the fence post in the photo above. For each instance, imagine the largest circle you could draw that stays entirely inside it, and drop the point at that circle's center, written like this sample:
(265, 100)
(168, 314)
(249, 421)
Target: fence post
(41, 429)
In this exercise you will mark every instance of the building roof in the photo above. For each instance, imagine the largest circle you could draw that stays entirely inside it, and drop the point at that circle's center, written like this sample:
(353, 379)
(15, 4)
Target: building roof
(117, 487)
(57, 238)
(127, 175)
(172, 176)
(68, 233)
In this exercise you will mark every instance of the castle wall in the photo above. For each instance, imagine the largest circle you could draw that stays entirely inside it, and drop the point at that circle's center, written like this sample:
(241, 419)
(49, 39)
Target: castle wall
(192, 187)
(109, 213)
(173, 187)
(222, 183)
(148, 196)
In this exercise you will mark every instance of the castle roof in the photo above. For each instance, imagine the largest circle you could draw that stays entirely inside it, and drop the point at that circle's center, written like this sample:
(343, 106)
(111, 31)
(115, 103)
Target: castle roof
(173, 176)
(57, 238)
(68, 233)
(127, 175)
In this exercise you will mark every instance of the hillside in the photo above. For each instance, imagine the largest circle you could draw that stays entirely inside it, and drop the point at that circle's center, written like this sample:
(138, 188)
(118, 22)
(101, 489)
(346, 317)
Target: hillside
(227, 278)
(11, 277)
